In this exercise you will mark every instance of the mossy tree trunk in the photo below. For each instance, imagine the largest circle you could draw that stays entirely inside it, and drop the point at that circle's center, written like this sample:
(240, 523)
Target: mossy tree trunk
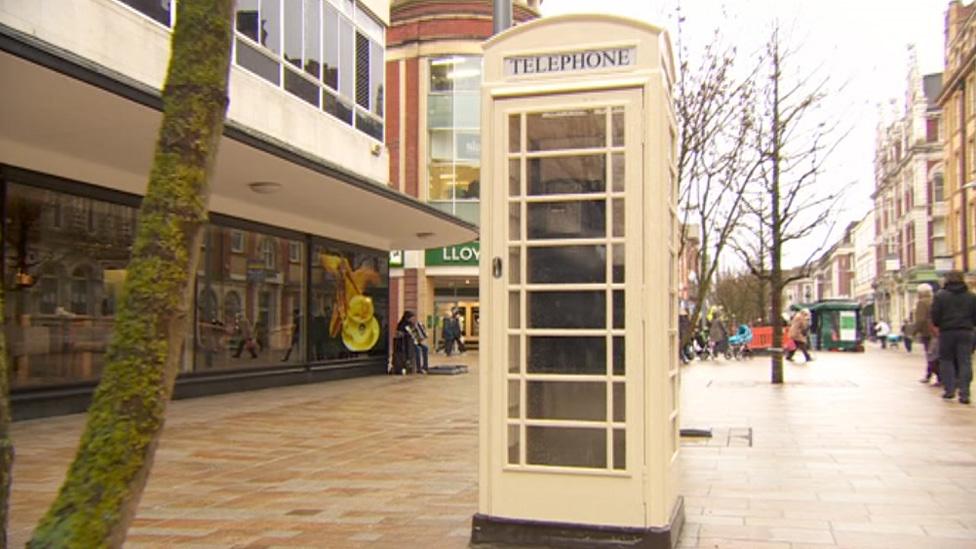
(99, 497)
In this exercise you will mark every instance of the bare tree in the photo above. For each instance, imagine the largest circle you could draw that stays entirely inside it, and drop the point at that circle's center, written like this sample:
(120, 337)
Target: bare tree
(99, 497)
(788, 207)
(736, 291)
(714, 106)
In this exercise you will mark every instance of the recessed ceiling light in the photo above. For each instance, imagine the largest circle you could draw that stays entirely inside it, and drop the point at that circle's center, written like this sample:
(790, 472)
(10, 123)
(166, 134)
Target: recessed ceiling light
(425, 234)
(264, 187)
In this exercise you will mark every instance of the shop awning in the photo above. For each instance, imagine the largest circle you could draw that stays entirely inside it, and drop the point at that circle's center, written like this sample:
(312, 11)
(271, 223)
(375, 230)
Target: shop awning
(64, 116)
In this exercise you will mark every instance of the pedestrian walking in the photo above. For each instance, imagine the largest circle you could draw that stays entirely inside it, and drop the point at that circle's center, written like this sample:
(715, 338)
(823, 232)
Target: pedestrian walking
(799, 330)
(907, 329)
(246, 339)
(881, 330)
(296, 321)
(954, 314)
(924, 331)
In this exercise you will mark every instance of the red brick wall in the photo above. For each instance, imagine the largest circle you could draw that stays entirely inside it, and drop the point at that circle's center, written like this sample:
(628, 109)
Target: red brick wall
(412, 122)
(393, 120)
(411, 291)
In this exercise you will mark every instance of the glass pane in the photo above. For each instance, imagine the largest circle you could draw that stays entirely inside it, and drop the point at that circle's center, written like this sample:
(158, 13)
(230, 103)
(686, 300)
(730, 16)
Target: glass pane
(576, 219)
(346, 62)
(514, 265)
(467, 110)
(515, 221)
(259, 64)
(567, 264)
(336, 107)
(441, 145)
(581, 309)
(514, 178)
(619, 402)
(377, 78)
(566, 447)
(619, 257)
(619, 223)
(566, 355)
(159, 10)
(619, 354)
(440, 68)
(300, 87)
(440, 111)
(513, 354)
(514, 133)
(569, 129)
(441, 181)
(246, 20)
(513, 398)
(566, 400)
(330, 50)
(619, 449)
(294, 21)
(313, 38)
(514, 310)
(369, 125)
(513, 444)
(466, 73)
(618, 172)
(618, 309)
(567, 175)
(618, 126)
(468, 145)
(271, 25)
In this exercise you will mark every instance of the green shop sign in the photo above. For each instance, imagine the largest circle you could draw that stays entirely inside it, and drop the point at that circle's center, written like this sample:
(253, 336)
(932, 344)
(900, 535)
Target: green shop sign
(464, 254)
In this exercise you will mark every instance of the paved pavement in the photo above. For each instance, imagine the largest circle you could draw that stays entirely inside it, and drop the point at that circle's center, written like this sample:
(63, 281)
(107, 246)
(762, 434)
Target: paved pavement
(851, 452)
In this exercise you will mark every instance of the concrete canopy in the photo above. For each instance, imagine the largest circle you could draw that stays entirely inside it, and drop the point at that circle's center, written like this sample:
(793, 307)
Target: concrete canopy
(67, 117)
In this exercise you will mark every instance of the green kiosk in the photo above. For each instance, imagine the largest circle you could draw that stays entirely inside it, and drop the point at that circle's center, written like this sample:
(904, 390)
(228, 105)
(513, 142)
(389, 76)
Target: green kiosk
(835, 324)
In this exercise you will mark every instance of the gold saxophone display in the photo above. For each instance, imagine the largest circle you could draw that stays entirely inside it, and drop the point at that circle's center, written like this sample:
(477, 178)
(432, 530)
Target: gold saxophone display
(352, 311)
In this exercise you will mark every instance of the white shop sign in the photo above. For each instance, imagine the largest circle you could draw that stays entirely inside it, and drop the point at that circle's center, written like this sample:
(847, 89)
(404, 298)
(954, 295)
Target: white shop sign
(573, 61)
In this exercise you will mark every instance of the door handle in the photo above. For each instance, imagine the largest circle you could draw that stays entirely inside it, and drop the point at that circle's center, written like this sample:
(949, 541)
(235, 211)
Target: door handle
(496, 267)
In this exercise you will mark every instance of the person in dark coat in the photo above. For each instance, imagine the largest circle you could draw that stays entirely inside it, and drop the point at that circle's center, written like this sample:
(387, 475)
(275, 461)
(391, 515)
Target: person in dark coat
(954, 314)
(923, 330)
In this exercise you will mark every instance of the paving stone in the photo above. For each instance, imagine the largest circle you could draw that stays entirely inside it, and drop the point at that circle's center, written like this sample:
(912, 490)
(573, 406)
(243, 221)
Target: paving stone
(850, 452)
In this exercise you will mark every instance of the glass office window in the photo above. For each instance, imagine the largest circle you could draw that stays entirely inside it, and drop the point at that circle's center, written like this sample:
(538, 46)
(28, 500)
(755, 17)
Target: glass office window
(454, 136)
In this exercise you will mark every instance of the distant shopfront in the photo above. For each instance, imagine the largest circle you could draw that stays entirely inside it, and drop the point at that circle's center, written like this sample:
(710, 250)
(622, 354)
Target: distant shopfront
(452, 272)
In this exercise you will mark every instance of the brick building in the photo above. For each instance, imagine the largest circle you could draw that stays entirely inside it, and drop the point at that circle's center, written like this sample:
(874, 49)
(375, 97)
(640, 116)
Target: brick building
(433, 72)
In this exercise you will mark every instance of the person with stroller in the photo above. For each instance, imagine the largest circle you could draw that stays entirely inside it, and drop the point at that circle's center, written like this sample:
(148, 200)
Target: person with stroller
(718, 335)
(799, 330)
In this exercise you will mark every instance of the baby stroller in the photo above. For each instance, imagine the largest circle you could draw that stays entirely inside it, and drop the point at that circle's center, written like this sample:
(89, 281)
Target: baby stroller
(738, 347)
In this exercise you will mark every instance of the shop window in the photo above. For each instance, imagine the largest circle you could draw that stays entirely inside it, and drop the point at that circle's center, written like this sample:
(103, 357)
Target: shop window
(237, 241)
(60, 314)
(247, 330)
(350, 303)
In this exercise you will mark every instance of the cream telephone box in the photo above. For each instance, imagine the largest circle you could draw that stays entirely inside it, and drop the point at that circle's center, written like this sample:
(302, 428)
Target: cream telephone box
(578, 362)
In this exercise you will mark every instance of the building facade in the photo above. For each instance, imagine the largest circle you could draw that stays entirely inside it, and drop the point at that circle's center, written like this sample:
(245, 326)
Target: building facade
(865, 265)
(958, 103)
(434, 117)
(302, 218)
(908, 198)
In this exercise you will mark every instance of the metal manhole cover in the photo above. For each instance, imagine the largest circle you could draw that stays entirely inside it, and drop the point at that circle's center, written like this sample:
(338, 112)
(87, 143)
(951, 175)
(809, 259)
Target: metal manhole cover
(732, 437)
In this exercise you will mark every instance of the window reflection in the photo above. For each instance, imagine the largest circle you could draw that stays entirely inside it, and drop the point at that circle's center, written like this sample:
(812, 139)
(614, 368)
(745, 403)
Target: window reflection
(67, 257)
(249, 304)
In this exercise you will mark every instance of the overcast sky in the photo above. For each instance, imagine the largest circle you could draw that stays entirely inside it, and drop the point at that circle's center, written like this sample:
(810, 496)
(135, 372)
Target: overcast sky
(860, 44)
